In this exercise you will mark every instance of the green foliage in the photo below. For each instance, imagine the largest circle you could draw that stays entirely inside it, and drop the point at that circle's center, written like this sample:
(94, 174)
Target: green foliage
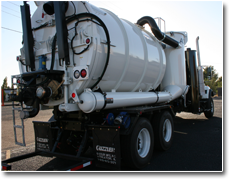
(219, 82)
(4, 86)
(212, 81)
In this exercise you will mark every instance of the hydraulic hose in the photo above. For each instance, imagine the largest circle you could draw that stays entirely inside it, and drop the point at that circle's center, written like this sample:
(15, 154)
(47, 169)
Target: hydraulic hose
(77, 17)
(82, 15)
(53, 52)
(157, 32)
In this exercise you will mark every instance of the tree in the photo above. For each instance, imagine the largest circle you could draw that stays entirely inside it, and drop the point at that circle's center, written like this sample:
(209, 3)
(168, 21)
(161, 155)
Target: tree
(214, 75)
(4, 84)
(212, 81)
(219, 82)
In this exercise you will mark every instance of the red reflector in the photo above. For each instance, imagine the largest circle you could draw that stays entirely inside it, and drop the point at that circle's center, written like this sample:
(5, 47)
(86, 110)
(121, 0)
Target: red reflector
(6, 167)
(87, 41)
(18, 58)
(42, 15)
(18, 81)
(73, 95)
(83, 73)
(81, 166)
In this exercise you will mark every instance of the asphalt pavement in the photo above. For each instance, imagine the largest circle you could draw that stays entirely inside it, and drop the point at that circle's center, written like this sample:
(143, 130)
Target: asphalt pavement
(197, 146)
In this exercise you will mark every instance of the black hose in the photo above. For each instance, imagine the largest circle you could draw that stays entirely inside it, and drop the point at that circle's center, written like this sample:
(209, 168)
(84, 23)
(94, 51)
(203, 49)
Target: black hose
(78, 53)
(76, 17)
(53, 52)
(157, 32)
(36, 108)
(82, 15)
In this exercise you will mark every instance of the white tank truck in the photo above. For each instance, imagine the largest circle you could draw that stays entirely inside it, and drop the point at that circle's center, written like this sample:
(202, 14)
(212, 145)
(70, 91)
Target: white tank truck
(113, 86)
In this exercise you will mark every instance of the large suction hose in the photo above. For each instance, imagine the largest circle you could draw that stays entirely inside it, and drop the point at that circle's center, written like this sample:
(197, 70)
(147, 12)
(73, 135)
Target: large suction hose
(157, 32)
(33, 113)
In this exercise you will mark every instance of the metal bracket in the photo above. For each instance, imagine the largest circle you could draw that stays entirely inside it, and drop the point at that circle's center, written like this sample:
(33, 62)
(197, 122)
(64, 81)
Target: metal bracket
(67, 80)
(68, 107)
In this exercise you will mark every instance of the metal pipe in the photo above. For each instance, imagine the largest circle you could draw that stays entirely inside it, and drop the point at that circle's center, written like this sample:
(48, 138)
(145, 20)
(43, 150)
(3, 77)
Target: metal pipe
(33, 113)
(93, 101)
(65, 85)
(198, 51)
(159, 22)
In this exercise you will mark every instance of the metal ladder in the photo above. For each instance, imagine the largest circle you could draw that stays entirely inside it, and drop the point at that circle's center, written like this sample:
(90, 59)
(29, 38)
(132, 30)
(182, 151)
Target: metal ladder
(22, 120)
(18, 126)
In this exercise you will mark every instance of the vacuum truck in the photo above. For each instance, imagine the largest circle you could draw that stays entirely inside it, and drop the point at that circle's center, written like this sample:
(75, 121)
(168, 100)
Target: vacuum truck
(113, 86)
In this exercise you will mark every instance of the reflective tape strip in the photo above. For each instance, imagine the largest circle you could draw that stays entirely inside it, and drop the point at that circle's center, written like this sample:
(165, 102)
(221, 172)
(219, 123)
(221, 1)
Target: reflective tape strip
(81, 166)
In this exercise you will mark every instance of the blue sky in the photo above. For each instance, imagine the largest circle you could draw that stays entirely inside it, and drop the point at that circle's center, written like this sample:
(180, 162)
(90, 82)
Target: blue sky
(198, 18)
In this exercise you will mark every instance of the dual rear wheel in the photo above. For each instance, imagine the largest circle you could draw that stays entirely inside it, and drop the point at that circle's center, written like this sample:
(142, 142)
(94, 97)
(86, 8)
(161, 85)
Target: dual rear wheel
(138, 146)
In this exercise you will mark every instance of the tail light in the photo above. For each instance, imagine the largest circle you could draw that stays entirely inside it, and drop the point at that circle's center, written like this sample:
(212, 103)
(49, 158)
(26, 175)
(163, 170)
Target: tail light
(83, 73)
(80, 73)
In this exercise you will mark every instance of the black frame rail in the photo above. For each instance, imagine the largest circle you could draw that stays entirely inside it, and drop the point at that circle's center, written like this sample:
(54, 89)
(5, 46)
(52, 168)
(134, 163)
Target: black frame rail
(79, 160)
(146, 109)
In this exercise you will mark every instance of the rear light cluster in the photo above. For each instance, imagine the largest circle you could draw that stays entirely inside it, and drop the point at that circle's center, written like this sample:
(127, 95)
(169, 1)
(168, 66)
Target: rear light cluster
(82, 73)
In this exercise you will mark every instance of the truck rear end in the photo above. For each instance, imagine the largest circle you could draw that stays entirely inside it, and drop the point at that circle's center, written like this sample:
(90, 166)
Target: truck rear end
(113, 86)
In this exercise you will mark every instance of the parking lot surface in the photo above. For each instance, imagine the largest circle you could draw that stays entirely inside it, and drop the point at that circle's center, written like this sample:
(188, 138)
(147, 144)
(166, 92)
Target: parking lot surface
(197, 144)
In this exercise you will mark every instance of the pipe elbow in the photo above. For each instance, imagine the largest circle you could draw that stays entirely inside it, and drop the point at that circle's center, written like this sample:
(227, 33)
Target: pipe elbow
(157, 32)
(33, 113)
(36, 109)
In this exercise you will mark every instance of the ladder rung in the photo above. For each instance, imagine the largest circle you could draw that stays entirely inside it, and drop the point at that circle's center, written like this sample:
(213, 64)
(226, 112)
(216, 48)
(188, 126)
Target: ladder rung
(21, 144)
(17, 126)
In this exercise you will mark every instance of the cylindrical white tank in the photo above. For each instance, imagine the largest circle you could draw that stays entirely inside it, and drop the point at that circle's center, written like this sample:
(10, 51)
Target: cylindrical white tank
(137, 60)
(175, 74)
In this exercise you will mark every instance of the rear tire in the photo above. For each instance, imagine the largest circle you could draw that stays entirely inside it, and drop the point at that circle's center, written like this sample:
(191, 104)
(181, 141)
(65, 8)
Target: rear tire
(163, 130)
(209, 114)
(137, 148)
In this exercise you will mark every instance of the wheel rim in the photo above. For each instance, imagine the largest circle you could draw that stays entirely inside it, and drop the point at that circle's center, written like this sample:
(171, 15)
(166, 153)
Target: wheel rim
(143, 142)
(212, 107)
(167, 130)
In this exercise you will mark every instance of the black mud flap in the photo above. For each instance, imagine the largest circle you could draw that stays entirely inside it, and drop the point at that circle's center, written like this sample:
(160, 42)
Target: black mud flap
(45, 135)
(106, 147)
